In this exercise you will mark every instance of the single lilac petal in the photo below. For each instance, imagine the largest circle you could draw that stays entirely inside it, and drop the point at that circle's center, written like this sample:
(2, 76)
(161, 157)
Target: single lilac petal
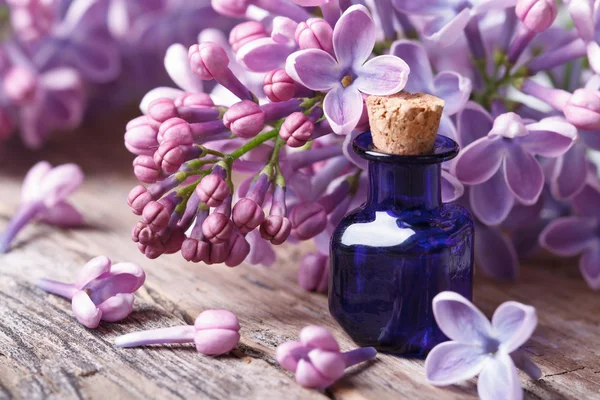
(62, 214)
(60, 182)
(453, 362)
(586, 201)
(593, 53)
(551, 137)
(582, 13)
(591, 139)
(495, 254)
(452, 189)
(473, 123)
(524, 175)
(93, 269)
(264, 55)
(314, 68)
(486, 153)
(382, 76)
(33, 181)
(289, 353)
(318, 337)
(158, 93)
(492, 200)
(425, 7)
(447, 128)
(444, 31)
(351, 154)
(513, 323)
(60, 79)
(454, 89)
(568, 236)
(354, 36)
(136, 273)
(261, 251)
(589, 265)
(569, 173)
(117, 307)
(178, 67)
(343, 107)
(499, 379)
(85, 310)
(415, 56)
(460, 320)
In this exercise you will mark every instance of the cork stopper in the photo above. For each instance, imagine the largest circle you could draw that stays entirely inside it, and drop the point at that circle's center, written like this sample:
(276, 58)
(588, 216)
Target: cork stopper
(405, 123)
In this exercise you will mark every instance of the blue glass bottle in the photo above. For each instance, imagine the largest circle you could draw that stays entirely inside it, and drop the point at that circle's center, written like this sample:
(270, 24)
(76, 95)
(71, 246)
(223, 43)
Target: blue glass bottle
(392, 255)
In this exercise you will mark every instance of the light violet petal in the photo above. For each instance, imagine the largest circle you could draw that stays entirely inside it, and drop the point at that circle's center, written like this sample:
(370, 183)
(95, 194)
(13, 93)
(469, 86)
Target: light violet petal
(447, 128)
(492, 200)
(85, 310)
(454, 89)
(589, 265)
(452, 362)
(582, 13)
(445, 32)
(159, 93)
(513, 323)
(264, 55)
(593, 53)
(591, 139)
(587, 200)
(415, 55)
(60, 182)
(568, 236)
(473, 123)
(382, 76)
(318, 337)
(351, 154)
(495, 254)
(117, 307)
(178, 68)
(524, 175)
(486, 153)
(93, 269)
(354, 36)
(499, 379)
(314, 68)
(551, 137)
(62, 214)
(424, 7)
(135, 271)
(452, 189)
(460, 320)
(33, 181)
(569, 173)
(343, 107)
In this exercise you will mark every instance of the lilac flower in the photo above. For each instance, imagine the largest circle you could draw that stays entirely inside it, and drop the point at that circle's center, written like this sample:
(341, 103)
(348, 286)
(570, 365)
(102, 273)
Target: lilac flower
(44, 197)
(102, 291)
(477, 347)
(579, 234)
(586, 17)
(507, 169)
(348, 75)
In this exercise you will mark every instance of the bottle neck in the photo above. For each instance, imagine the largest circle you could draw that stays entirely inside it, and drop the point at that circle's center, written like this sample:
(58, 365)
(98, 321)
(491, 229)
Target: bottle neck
(404, 186)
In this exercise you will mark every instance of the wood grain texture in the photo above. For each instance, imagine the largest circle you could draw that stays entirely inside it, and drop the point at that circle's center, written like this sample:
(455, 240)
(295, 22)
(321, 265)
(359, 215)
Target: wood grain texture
(45, 353)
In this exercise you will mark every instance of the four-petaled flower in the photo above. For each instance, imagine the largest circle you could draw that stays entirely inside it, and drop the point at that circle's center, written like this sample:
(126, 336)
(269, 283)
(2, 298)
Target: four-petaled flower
(349, 74)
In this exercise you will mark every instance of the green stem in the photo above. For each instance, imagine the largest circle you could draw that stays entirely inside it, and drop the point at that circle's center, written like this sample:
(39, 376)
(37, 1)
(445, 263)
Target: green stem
(252, 144)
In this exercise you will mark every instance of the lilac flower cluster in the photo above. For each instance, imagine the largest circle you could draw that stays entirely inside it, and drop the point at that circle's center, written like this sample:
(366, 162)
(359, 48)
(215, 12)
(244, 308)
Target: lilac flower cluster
(289, 93)
(56, 56)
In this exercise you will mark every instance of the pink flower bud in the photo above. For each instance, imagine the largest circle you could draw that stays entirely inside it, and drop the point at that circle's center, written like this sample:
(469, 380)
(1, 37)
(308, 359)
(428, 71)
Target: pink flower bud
(169, 156)
(217, 227)
(247, 215)
(208, 60)
(313, 274)
(194, 250)
(583, 109)
(217, 332)
(175, 241)
(145, 169)
(239, 248)
(141, 138)
(138, 198)
(279, 86)
(537, 15)
(315, 33)
(177, 130)
(231, 8)
(142, 120)
(162, 109)
(20, 85)
(246, 32)
(156, 215)
(308, 220)
(245, 119)
(297, 129)
(194, 100)
(275, 229)
(283, 29)
(213, 190)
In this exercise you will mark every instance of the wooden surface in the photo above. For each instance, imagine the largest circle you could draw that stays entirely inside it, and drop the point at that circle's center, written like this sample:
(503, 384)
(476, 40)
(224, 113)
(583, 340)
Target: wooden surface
(45, 353)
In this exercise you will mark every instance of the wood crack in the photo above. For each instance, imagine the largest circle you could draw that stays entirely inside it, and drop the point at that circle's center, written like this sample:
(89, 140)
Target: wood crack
(170, 306)
(564, 372)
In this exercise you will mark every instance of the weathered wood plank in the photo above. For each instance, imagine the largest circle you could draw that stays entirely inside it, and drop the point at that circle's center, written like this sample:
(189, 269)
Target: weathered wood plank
(45, 353)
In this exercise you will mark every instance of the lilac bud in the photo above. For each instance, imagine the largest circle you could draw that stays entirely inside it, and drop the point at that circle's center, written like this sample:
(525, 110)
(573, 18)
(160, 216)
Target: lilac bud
(157, 214)
(217, 227)
(313, 274)
(279, 86)
(194, 100)
(176, 129)
(297, 129)
(20, 85)
(142, 120)
(213, 189)
(247, 215)
(231, 8)
(170, 155)
(141, 137)
(239, 248)
(138, 198)
(195, 250)
(537, 15)
(162, 109)
(217, 332)
(246, 32)
(583, 109)
(308, 220)
(245, 119)
(275, 229)
(315, 33)
(145, 169)
(283, 29)
(208, 60)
